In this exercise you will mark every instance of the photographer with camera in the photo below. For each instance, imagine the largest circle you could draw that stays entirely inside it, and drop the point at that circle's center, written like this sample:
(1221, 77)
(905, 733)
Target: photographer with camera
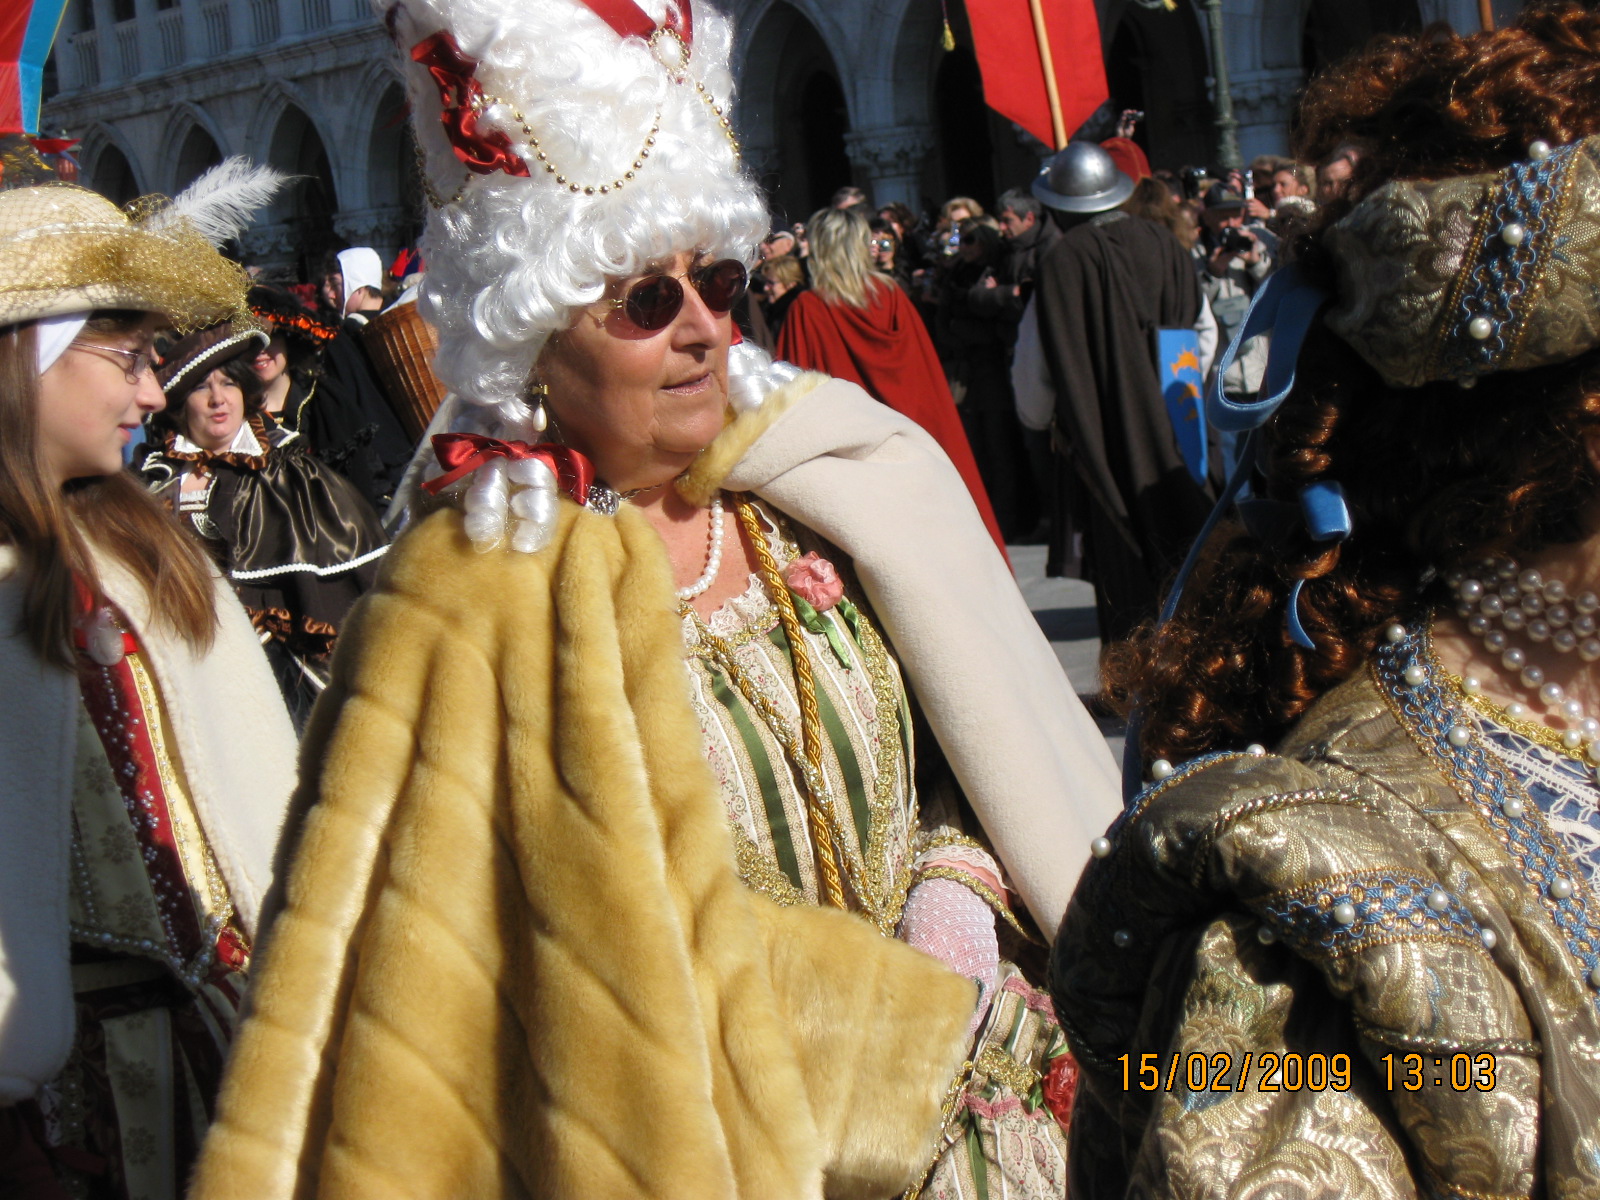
(1234, 259)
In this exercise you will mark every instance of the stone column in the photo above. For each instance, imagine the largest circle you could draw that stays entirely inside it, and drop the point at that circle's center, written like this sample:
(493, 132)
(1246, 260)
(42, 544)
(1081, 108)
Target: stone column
(105, 42)
(888, 161)
(148, 35)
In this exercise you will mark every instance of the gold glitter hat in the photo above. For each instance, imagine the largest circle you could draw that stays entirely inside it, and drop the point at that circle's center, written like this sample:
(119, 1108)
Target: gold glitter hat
(65, 249)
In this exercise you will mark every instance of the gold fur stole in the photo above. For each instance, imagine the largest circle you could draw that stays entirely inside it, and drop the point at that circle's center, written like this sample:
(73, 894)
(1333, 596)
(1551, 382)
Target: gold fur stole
(515, 958)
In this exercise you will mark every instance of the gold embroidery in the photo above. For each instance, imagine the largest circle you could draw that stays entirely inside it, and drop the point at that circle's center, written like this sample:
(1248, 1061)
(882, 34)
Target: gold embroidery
(998, 1065)
(758, 873)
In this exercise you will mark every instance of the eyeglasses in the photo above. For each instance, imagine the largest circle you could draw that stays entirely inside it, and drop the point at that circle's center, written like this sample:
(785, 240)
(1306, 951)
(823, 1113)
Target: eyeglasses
(653, 303)
(139, 361)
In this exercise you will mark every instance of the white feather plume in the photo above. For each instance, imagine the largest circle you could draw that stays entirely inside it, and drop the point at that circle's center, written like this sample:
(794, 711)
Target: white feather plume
(222, 203)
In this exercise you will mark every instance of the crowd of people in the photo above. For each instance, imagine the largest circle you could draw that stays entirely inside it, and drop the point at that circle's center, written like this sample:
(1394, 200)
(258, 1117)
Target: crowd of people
(971, 276)
(616, 759)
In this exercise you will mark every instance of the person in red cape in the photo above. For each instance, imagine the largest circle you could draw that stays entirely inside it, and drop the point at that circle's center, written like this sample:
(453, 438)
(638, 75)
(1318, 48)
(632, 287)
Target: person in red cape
(855, 324)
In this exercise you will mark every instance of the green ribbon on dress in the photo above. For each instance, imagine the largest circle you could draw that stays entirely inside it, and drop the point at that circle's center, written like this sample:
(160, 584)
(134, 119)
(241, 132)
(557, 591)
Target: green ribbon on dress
(822, 627)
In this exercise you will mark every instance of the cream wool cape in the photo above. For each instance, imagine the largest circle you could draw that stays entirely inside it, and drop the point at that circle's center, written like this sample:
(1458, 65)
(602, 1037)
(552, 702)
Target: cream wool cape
(238, 753)
(516, 958)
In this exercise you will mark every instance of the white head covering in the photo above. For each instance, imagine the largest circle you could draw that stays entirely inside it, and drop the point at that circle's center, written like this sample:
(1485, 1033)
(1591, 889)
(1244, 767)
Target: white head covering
(559, 153)
(361, 267)
(54, 334)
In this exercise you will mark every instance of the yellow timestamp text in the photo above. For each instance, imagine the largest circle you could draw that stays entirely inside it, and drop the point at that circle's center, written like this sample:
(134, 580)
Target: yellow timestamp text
(1215, 1072)
(1457, 1072)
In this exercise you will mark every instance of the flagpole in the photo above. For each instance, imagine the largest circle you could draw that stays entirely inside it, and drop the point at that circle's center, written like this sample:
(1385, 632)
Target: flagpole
(1058, 124)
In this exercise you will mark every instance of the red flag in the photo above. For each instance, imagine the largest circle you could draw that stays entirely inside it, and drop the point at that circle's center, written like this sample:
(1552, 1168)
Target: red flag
(1019, 73)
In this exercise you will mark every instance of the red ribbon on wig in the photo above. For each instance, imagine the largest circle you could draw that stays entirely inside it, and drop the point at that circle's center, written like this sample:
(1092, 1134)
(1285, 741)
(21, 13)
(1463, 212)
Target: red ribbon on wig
(458, 88)
(629, 20)
(460, 454)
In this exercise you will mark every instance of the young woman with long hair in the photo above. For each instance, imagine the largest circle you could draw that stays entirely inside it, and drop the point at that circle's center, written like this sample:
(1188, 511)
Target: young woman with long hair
(1352, 926)
(146, 753)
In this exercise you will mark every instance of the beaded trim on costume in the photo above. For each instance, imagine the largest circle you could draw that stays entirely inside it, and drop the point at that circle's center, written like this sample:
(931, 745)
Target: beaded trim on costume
(1347, 913)
(1502, 276)
(1428, 713)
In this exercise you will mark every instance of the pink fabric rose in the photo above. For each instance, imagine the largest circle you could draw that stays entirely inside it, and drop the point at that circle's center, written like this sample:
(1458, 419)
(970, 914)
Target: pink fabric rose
(1060, 1088)
(814, 579)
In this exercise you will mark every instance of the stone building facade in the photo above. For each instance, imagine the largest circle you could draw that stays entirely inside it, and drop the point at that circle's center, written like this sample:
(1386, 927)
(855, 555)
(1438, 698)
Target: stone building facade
(831, 91)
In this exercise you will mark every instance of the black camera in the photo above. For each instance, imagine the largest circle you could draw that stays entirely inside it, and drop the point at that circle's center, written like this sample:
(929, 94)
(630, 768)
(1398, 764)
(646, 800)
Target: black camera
(1192, 178)
(1236, 241)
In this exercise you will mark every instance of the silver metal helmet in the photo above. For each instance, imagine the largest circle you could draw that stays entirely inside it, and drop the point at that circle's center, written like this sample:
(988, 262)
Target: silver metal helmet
(1083, 178)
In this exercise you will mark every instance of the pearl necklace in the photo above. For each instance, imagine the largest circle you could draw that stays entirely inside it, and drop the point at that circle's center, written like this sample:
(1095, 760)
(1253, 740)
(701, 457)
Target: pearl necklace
(713, 555)
(1507, 601)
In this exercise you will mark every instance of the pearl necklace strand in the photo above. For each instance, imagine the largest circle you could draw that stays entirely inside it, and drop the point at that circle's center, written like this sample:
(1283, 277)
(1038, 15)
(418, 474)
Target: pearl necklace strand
(1507, 601)
(713, 555)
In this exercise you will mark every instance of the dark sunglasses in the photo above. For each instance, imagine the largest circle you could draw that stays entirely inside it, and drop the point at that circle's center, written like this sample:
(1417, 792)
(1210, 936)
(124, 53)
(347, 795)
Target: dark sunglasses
(653, 302)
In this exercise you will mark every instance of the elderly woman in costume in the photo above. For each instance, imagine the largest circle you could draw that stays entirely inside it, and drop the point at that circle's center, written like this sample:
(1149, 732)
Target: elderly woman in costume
(148, 759)
(295, 538)
(1366, 962)
(670, 793)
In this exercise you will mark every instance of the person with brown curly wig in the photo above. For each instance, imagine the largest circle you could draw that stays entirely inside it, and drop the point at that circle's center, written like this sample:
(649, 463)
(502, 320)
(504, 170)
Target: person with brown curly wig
(1366, 962)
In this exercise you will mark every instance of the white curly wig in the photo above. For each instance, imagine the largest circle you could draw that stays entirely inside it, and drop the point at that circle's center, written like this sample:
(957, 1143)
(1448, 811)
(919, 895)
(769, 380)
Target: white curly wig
(628, 164)
(511, 259)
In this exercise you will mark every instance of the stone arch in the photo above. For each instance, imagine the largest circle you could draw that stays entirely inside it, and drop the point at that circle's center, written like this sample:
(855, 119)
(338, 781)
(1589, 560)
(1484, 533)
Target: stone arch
(394, 185)
(109, 167)
(197, 154)
(917, 53)
(966, 133)
(304, 209)
(1156, 62)
(191, 143)
(364, 181)
(276, 97)
(977, 152)
(795, 110)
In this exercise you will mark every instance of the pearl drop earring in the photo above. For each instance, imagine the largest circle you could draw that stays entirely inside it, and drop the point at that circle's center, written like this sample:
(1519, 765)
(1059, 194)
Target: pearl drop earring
(541, 419)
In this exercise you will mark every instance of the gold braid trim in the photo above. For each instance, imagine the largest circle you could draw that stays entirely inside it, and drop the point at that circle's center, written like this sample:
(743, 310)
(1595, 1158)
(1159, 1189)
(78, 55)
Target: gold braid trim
(980, 889)
(1540, 735)
(1428, 1045)
(940, 840)
(805, 685)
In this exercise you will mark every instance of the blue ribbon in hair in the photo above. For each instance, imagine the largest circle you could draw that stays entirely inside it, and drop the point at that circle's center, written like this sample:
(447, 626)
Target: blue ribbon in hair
(1285, 307)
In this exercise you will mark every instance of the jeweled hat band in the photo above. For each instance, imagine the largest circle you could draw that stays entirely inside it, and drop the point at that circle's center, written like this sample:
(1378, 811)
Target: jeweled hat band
(1459, 278)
